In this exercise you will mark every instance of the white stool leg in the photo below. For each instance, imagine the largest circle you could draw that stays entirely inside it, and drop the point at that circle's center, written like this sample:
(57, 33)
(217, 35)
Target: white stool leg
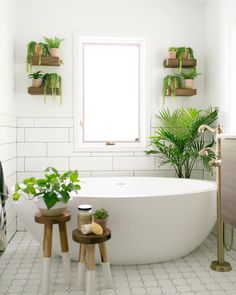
(81, 266)
(107, 274)
(90, 283)
(66, 266)
(46, 275)
(106, 266)
(90, 280)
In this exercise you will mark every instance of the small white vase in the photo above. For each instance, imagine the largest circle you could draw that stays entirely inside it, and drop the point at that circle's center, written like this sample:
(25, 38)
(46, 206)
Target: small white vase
(56, 210)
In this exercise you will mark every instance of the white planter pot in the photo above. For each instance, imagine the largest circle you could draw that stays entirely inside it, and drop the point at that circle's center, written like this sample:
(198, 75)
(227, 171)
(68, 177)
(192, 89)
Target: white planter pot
(56, 210)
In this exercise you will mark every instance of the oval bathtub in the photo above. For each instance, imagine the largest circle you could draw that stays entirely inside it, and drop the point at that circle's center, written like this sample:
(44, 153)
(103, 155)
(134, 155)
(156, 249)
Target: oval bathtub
(152, 219)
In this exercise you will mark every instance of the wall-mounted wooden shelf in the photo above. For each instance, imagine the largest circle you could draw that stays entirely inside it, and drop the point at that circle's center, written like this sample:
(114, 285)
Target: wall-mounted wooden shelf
(46, 61)
(174, 63)
(39, 91)
(183, 92)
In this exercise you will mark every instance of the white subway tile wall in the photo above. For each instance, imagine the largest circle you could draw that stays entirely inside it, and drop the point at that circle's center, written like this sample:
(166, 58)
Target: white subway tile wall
(8, 159)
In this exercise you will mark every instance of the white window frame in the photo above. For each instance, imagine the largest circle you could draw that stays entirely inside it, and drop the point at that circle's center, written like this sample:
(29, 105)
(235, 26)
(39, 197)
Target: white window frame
(79, 144)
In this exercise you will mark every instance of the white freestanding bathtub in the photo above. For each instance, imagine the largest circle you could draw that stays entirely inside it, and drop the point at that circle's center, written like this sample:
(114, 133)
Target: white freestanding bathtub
(152, 219)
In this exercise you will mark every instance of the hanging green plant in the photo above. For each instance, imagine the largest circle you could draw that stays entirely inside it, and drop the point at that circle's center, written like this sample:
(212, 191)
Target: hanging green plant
(170, 83)
(35, 49)
(184, 53)
(53, 83)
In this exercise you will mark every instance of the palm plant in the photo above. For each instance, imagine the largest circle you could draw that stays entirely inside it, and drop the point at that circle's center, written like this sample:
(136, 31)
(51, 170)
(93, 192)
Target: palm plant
(178, 142)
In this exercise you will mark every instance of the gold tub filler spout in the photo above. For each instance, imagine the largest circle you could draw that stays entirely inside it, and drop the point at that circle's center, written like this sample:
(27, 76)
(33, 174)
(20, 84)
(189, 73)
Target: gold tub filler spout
(220, 264)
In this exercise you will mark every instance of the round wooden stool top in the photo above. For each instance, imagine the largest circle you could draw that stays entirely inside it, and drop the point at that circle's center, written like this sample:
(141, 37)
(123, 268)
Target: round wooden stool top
(64, 217)
(91, 238)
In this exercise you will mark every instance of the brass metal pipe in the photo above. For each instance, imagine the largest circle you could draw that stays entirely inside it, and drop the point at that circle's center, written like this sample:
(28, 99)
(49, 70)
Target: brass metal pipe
(220, 264)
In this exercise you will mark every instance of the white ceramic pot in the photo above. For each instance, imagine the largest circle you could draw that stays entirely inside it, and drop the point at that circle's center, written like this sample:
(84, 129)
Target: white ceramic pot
(56, 210)
(54, 52)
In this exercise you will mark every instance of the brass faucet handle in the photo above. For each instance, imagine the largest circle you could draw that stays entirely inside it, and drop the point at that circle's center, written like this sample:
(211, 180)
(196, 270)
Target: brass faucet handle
(215, 163)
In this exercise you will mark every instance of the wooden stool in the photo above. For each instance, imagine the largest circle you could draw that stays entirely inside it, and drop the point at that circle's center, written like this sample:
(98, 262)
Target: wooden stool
(87, 254)
(48, 222)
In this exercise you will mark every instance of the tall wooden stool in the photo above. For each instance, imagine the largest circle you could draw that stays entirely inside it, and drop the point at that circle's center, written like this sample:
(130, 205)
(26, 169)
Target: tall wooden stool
(87, 255)
(48, 222)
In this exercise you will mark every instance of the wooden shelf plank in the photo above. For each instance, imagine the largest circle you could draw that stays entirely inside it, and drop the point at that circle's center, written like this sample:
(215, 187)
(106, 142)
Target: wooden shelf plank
(183, 92)
(174, 63)
(39, 91)
(46, 61)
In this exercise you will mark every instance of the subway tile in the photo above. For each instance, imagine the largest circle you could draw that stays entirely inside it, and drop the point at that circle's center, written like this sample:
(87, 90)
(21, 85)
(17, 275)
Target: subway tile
(8, 135)
(11, 214)
(197, 174)
(20, 134)
(22, 175)
(112, 154)
(9, 167)
(133, 163)
(25, 122)
(53, 122)
(20, 164)
(41, 163)
(7, 120)
(31, 149)
(112, 173)
(7, 151)
(46, 134)
(10, 180)
(64, 149)
(91, 163)
(71, 135)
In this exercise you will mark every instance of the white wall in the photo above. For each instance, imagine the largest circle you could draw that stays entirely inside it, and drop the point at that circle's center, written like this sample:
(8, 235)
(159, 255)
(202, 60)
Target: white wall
(7, 106)
(45, 131)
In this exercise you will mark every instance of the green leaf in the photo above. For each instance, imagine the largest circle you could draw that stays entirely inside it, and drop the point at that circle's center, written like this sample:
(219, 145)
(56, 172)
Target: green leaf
(17, 187)
(41, 182)
(65, 196)
(16, 196)
(29, 181)
(77, 187)
(50, 199)
(70, 187)
(30, 189)
(74, 176)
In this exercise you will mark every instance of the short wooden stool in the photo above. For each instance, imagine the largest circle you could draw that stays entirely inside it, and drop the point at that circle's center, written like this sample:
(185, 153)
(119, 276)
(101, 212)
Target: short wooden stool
(87, 255)
(48, 222)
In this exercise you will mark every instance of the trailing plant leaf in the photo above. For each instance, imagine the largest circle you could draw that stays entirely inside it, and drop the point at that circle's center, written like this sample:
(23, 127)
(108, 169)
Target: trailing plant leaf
(29, 57)
(177, 142)
(52, 82)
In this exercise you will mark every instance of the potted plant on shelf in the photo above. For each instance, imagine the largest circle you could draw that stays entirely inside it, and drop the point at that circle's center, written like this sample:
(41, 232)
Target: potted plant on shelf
(37, 78)
(35, 49)
(178, 143)
(52, 83)
(100, 217)
(53, 45)
(170, 83)
(188, 77)
(172, 52)
(52, 193)
(182, 54)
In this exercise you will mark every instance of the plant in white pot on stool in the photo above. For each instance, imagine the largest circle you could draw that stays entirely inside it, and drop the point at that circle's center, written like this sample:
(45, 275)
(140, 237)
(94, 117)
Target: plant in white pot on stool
(52, 193)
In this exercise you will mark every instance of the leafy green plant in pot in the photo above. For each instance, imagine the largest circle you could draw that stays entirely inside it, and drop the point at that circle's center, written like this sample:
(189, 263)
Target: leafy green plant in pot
(188, 77)
(172, 51)
(184, 53)
(52, 193)
(53, 45)
(169, 85)
(37, 78)
(52, 83)
(100, 217)
(178, 143)
(35, 49)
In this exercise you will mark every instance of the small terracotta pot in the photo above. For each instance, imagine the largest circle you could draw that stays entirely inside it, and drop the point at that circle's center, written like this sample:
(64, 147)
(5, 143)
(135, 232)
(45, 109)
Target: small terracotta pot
(102, 222)
(37, 82)
(54, 52)
(188, 83)
(171, 54)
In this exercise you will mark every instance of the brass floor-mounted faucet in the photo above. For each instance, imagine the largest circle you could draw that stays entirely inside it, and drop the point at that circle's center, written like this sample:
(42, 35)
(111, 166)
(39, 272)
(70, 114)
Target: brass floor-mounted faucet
(220, 264)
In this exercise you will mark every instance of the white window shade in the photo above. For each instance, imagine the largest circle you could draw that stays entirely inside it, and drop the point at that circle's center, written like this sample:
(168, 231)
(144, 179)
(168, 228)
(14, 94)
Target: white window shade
(109, 104)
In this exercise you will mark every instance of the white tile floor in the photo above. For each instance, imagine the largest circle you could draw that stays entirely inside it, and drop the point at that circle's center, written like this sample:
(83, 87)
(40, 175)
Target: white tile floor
(20, 273)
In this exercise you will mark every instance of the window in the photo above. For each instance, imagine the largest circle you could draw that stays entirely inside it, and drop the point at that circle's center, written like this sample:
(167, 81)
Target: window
(109, 93)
